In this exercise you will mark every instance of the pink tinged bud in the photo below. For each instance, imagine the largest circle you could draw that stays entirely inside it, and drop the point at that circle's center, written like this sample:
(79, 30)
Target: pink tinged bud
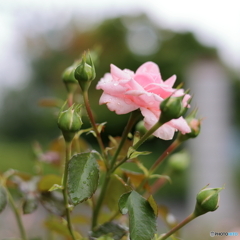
(194, 124)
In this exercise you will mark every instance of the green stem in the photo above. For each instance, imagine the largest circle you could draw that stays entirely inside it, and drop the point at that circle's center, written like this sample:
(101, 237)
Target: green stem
(170, 149)
(100, 200)
(132, 120)
(157, 184)
(176, 228)
(70, 99)
(65, 195)
(140, 142)
(91, 118)
(147, 135)
(154, 167)
(17, 215)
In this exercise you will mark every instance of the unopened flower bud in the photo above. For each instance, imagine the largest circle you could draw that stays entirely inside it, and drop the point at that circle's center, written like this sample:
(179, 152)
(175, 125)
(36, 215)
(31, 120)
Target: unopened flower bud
(194, 124)
(69, 79)
(171, 108)
(207, 200)
(70, 121)
(85, 71)
(179, 162)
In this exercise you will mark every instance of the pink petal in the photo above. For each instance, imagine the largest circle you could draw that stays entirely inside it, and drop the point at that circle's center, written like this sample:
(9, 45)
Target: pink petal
(119, 105)
(170, 81)
(104, 80)
(145, 99)
(180, 124)
(144, 79)
(112, 88)
(117, 73)
(161, 90)
(149, 67)
(165, 132)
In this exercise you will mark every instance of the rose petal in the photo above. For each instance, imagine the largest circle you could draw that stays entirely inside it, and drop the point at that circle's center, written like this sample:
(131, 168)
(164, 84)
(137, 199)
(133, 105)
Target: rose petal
(151, 69)
(165, 132)
(144, 79)
(180, 124)
(160, 89)
(170, 81)
(119, 105)
(117, 73)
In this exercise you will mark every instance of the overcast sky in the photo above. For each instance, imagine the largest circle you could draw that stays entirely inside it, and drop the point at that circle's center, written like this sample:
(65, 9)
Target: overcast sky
(215, 22)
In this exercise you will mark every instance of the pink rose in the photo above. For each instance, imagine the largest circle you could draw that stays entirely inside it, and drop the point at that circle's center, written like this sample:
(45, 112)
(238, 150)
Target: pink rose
(125, 91)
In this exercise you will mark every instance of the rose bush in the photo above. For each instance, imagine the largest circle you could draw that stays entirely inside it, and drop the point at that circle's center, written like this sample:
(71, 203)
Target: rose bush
(125, 91)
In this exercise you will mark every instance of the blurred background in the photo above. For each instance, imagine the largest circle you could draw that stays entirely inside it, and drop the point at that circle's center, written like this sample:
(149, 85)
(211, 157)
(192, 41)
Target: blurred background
(197, 41)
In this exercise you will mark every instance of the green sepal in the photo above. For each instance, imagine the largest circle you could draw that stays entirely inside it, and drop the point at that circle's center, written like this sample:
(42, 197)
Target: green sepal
(132, 153)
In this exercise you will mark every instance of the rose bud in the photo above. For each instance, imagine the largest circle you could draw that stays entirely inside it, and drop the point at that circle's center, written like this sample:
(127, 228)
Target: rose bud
(69, 79)
(194, 124)
(207, 200)
(70, 121)
(178, 162)
(172, 108)
(85, 72)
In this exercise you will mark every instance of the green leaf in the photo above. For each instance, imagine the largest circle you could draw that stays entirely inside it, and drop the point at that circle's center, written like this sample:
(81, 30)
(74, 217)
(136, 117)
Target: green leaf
(3, 198)
(161, 176)
(30, 205)
(132, 153)
(142, 220)
(110, 229)
(83, 175)
(123, 203)
(153, 205)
